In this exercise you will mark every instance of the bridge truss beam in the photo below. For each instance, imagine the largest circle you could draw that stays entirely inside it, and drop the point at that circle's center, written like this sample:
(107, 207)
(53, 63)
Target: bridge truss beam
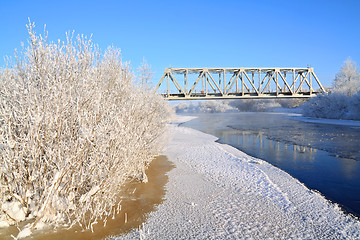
(232, 83)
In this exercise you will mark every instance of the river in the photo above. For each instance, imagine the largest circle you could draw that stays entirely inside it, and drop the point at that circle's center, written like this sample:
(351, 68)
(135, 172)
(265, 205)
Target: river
(324, 157)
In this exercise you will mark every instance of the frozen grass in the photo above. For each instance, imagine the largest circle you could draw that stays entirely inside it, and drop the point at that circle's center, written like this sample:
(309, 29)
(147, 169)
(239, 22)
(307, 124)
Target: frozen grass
(73, 128)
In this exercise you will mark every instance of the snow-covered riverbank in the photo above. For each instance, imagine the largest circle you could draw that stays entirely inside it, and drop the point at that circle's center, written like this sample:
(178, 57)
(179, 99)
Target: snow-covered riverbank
(343, 122)
(216, 191)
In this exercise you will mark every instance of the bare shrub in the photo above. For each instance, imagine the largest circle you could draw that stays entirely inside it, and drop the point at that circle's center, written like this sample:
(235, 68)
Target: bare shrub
(73, 128)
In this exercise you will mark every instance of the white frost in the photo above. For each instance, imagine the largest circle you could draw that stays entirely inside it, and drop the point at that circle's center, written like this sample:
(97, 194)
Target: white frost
(73, 123)
(4, 223)
(89, 194)
(14, 210)
(24, 233)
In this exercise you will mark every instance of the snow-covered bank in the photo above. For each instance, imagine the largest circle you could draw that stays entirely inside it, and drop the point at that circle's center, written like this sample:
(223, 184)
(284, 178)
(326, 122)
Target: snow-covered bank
(216, 191)
(342, 122)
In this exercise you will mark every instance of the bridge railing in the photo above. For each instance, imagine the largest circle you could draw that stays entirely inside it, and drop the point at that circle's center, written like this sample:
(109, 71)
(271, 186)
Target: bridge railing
(227, 83)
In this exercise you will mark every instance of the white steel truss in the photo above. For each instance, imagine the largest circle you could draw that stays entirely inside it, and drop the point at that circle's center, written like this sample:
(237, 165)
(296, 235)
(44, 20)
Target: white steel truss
(232, 83)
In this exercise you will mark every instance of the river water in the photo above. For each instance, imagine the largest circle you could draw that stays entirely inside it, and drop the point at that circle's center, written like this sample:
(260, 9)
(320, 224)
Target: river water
(324, 157)
(137, 201)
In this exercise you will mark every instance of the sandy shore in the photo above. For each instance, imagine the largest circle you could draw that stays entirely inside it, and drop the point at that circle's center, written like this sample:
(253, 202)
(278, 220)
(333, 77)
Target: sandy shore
(218, 192)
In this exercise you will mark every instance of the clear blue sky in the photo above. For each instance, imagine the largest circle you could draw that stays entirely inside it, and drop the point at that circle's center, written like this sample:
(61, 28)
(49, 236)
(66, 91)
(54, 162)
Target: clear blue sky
(293, 33)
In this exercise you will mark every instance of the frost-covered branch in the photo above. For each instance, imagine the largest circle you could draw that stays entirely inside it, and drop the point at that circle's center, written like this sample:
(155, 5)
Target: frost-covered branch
(347, 80)
(73, 128)
(145, 74)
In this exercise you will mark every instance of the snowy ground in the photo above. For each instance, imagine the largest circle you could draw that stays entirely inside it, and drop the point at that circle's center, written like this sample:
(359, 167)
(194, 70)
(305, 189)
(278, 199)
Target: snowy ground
(218, 192)
(342, 122)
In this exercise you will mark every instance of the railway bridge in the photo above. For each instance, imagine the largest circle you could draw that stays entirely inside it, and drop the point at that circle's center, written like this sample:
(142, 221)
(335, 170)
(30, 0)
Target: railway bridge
(238, 83)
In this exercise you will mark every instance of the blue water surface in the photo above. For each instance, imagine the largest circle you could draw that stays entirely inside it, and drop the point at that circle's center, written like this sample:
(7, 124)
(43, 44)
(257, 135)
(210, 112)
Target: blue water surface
(324, 157)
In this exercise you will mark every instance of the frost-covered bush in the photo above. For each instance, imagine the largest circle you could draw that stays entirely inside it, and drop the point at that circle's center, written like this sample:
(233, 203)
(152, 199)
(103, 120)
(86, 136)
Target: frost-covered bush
(291, 102)
(73, 128)
(343, 102)
(333, 105)
(211, 106)
(254, 105)
(242, 105)
(354, 107)
(347, 80)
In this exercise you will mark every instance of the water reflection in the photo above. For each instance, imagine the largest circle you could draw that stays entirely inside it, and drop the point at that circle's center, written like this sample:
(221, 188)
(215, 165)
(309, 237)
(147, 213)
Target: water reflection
(350, 168)
(323, 157)
(138, 200)
(259, 141)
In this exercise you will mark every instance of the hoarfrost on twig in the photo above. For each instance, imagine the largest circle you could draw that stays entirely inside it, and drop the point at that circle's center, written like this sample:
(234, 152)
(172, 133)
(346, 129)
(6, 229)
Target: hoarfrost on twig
(73, 128)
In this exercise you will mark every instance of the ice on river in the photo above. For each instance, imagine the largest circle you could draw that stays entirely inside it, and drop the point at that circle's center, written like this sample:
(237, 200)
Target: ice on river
(217, 191)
